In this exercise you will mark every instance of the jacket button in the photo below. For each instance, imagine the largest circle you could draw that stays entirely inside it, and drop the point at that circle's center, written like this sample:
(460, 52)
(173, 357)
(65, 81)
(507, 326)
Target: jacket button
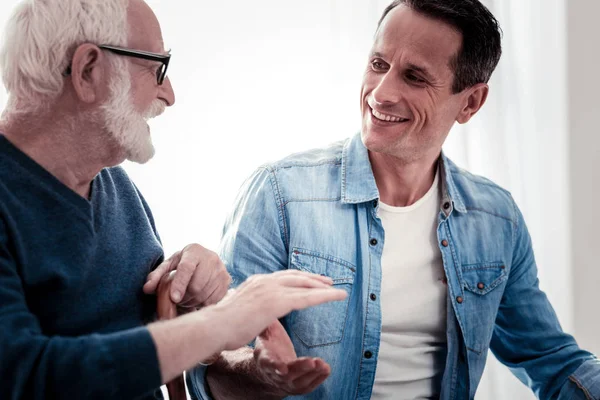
(446, 205)
(368, 354)
(373, 242)
(459, 300)
(445, 243)
(373, 296)
(480, 286)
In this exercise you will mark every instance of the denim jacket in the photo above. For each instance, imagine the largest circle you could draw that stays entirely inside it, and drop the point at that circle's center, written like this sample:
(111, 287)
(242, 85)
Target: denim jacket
(317, 212)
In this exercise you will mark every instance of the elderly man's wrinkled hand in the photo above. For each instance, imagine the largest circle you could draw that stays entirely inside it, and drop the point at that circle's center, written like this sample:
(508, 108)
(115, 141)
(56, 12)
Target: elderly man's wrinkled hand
(281, 369)
(201, 278)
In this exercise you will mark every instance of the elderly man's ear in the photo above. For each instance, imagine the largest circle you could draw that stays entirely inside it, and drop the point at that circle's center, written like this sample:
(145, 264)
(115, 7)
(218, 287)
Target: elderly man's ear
(89, 73)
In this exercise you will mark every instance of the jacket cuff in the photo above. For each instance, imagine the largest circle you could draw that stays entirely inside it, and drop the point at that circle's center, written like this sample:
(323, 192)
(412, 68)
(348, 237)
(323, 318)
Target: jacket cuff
(584, 383)
(196, 383)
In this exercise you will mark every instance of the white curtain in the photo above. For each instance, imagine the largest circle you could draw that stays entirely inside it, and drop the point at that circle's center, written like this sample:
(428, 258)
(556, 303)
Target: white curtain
(258, 80)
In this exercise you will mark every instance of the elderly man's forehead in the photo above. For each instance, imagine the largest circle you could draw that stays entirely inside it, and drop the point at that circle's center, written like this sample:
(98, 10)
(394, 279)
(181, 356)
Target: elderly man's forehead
(144, 28)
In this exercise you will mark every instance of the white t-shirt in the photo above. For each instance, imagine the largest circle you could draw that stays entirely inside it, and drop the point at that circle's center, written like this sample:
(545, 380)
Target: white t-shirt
(412, 352)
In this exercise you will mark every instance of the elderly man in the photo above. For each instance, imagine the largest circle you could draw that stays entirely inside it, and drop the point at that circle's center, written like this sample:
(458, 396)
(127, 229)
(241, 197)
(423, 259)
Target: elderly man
(437, 262)
(77, 240)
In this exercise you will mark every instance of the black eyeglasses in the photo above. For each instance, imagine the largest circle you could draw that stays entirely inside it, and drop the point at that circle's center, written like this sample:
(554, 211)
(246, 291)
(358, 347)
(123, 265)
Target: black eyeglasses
(161, 72)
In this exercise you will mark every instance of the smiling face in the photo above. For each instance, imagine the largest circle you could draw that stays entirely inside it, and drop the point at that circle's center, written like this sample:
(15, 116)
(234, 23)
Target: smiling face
(135, 95)
(407, 102)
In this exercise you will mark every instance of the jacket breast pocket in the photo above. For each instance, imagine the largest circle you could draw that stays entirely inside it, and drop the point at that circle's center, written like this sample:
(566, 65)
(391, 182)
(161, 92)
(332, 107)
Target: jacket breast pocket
(482, 278)
(483, 285)
(323, 324)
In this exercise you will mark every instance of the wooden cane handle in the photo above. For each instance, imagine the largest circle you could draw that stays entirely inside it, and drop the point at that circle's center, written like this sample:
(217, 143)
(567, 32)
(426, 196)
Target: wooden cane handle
(166, 309)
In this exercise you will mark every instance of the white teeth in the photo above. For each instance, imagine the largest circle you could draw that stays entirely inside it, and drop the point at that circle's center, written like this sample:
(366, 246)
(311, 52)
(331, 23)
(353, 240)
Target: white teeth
(387, 118)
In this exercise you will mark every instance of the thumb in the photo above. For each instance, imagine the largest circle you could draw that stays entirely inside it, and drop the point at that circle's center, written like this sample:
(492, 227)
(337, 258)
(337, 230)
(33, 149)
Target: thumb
(155, 276)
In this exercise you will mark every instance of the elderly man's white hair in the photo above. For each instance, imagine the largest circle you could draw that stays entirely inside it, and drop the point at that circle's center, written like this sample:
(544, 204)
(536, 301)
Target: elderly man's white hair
(40, 39)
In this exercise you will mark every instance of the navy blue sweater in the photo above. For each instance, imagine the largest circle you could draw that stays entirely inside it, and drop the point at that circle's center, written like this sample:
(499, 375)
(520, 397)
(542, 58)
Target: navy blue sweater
(72, 310)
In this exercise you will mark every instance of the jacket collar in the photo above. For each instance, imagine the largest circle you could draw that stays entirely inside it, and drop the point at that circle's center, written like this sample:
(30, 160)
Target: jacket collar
(358, 181)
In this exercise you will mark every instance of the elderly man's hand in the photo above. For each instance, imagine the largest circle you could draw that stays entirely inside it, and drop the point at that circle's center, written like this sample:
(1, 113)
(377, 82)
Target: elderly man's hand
(281, 369)
(201, 278)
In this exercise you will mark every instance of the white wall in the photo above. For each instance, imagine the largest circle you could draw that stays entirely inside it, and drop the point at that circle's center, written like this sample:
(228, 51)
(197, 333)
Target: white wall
(254, 81)
(584, 108)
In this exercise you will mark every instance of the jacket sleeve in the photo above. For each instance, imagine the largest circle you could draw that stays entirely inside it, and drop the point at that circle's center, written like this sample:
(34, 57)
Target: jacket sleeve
(255, 234)
(34, 365)
(529, 339)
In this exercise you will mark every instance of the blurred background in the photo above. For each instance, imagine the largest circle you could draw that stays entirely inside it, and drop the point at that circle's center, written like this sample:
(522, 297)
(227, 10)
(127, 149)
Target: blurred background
(257, 80)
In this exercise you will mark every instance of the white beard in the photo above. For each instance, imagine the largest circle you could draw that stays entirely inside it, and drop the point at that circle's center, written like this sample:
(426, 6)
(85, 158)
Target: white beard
(128, 127)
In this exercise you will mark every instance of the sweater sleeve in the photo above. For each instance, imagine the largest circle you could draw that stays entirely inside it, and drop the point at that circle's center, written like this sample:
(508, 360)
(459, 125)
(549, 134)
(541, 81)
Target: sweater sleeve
(33, 365)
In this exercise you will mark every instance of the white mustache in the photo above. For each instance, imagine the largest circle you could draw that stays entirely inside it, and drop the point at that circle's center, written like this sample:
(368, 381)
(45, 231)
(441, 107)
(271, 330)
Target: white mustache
(156, 108)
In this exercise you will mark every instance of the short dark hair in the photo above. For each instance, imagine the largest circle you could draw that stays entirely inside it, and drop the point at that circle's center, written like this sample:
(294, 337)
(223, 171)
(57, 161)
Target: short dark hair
(481, 36)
